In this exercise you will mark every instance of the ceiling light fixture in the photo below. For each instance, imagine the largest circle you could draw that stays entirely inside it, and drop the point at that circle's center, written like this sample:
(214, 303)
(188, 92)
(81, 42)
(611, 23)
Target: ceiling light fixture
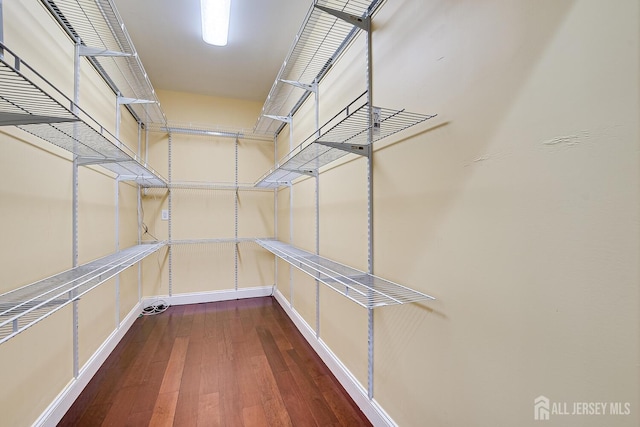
(215, 21)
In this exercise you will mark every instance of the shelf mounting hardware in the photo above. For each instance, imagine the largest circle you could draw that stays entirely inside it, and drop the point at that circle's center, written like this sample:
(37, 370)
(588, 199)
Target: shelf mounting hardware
(126, 101)
(301, 171)
(362, 22)
(359, 149)
(313, 87)
(284, 119)
(96, 51)
(87, 161)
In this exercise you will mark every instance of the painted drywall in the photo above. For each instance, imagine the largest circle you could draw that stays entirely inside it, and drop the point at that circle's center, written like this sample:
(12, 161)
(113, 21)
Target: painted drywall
(36, 366)
(36, 195)
(517, 208)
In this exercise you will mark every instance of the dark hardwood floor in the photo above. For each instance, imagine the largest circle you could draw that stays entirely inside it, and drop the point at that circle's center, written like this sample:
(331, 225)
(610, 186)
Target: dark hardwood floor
(231, 363)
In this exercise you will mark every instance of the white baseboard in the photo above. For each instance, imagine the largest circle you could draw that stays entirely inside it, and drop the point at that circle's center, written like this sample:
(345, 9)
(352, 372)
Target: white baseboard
(211, 296)
(61, 404)
(370, 408)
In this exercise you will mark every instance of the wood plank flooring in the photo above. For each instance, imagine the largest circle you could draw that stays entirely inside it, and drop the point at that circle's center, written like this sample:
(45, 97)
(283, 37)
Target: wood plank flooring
(230, 363)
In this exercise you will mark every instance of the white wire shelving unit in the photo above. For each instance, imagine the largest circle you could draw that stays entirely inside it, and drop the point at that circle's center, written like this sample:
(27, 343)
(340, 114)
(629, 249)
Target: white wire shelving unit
(365, 289)
(318, 44)
(103, 38)
(327, 31)
(207, 132)
(33, 104)
(28, 305)
(347, 132)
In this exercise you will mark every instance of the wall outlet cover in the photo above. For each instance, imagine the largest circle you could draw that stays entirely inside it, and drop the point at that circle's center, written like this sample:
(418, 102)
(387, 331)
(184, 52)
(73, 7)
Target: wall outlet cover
(165, 214)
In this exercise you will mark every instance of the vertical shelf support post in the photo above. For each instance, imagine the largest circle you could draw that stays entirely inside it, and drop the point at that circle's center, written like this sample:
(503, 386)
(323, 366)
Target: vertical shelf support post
(117, 225)
(370, 340)
(312, 88)
(117, 248)
(170, 219)
(275, 212)
(316, 92)
(236, 248)
(290, 121)
(74, 209)
(316, 177)
(139, 213)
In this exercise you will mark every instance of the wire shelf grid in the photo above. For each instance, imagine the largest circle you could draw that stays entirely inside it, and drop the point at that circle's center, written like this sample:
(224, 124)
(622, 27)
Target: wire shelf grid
(317, 46)
(367, 290)
(97, 24)
(32, 103)
(348, 129)
(207, 130)
(201, 185)
(26, 306)
(231, 240)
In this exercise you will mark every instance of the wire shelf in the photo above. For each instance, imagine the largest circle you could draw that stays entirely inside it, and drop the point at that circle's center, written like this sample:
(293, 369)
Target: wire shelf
(317, 46)
(30, 102)
(347, 132)
(213, 241)
(365, 289)
(97, 24)
(200, 185)
(26, 306)
(207, 130)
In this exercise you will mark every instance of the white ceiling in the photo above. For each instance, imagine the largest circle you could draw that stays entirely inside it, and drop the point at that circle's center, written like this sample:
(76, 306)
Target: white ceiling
(167, 36)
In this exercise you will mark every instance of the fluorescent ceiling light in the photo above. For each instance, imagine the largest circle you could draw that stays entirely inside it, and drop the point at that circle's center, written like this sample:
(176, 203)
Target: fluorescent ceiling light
(215, 21)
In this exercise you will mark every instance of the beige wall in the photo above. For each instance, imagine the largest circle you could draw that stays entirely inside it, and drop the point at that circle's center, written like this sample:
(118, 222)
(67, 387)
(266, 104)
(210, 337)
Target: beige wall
(517, 208)
(206, 213)
(36, 223)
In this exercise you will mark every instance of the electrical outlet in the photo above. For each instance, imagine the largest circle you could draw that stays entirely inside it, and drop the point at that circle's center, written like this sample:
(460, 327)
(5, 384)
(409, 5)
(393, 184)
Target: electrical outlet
(165, 214)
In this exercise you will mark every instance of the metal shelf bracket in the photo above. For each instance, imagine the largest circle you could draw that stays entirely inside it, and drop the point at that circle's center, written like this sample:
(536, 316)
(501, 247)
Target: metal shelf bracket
(284, 119)
(88, 161)
(313, 87)
(126, 101)
(96, 51)
(303, 172)
(359, 149)
(362, 22)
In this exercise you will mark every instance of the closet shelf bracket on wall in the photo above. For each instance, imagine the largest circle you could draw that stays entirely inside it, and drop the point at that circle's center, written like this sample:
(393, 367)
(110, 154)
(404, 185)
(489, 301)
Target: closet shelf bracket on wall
(26, 306)
(32, 103)
(347, 132)
(365, 289)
